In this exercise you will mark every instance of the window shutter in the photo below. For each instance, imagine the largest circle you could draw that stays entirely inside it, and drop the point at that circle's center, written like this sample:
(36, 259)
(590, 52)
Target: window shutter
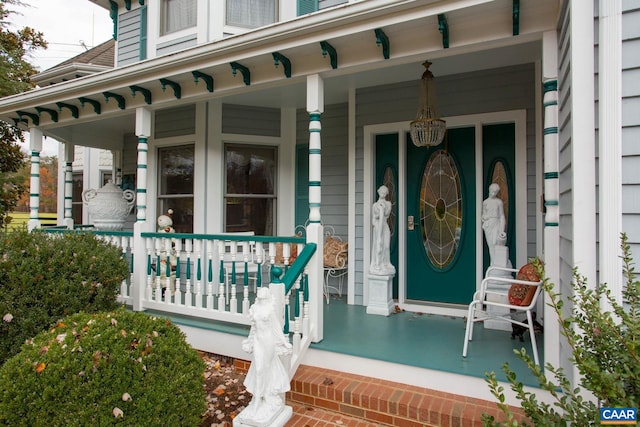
(307, 6)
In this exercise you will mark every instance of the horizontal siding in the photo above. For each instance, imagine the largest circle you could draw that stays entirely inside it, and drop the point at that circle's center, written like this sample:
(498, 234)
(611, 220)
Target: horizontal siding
(175, 121)
(176, 44)
(631, 124)
(323, 4)
(129, 37)
(245, 120)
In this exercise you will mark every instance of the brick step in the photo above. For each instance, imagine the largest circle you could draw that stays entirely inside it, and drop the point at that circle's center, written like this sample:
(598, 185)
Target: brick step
(380, 402)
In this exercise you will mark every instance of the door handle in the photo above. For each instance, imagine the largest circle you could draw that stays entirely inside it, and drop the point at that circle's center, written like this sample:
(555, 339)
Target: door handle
(410, 224)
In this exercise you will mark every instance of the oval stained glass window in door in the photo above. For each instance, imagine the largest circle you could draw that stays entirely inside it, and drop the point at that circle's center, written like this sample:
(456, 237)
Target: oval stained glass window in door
(499, 176)
(389, 180)
(441, 209)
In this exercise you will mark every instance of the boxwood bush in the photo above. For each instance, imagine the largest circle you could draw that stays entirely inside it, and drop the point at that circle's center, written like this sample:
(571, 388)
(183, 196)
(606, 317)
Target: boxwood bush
(44, 277)
(102, 369)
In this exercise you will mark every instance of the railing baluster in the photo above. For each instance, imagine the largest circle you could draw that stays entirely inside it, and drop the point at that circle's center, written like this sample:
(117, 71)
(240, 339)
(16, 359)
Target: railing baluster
(177, 289)
(260, 260)
(198, 250)
(233, 301)
(188, 296)
(131, 266)
(245, 290)
(123, 247)
(221, 278)
(168, 289)
(158, 291)
(149, 287)
(209, 274)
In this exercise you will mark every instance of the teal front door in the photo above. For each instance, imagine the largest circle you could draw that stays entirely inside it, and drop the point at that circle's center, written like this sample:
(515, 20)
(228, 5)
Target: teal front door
(441, 220)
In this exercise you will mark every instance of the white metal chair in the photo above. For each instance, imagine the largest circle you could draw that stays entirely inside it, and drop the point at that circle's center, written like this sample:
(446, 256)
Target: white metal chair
(493, 292)
(334, 260)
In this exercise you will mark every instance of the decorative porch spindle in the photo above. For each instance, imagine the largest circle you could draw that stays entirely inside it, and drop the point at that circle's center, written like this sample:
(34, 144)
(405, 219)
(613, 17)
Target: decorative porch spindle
(68, 191)
(34, 192)
(141, 180)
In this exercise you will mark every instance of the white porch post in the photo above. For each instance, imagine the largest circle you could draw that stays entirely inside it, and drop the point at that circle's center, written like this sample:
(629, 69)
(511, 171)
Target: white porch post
(68, 185)
(143, 132)
(35, 139)
(610, 146)
(551, 191)
(315, 232)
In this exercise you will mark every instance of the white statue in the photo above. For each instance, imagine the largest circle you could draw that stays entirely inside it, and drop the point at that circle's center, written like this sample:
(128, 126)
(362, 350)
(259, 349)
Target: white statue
(493, 221)
(165, 225)
(381, 239)
(267, 379)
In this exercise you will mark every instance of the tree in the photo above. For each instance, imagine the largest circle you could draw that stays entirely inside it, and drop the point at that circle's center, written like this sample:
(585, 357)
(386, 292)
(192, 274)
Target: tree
(605, 346)
(48, 185)
(15, 77)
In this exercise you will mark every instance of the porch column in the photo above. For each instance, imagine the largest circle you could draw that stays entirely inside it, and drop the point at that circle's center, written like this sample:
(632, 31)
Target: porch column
(143, 131)
(315, 232)
(68, 185)
(610, 147)
(35, 139)
(551, 191)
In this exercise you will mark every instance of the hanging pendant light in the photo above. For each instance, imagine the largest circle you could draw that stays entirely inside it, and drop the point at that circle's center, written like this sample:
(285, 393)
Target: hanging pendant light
(427, 130)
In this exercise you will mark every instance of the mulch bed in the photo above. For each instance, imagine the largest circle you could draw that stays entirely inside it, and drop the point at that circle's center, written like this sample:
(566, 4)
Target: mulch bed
(226, 394)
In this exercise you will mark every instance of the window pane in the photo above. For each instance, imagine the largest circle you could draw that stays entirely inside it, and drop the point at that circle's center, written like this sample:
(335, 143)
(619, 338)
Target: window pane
(175, 184)
(243, 214)
(250, 197)
(182, 216)
(251, 13)
(178, 15)
(250, 170)
(176, 170)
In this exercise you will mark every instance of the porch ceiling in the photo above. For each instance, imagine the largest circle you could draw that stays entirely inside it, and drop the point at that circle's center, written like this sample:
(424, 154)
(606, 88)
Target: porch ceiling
(480, 37)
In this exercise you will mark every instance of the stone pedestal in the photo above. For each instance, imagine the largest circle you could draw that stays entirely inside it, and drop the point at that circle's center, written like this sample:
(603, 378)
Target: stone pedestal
(502, 260)
(380, 294)
(278, 420)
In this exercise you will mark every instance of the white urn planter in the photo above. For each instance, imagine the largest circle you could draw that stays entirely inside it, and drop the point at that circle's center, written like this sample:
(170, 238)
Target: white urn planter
(109, 206)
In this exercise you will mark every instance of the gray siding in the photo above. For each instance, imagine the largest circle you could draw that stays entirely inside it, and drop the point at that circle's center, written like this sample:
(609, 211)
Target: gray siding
(631, 123)
(247, 120)
(468, 93)
(323, 4)
(129, 37)
(176, 44)
(565, 146)
(175, 121)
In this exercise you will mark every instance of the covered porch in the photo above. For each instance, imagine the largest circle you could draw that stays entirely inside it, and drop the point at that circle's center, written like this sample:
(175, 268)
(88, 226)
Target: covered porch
(343, 90)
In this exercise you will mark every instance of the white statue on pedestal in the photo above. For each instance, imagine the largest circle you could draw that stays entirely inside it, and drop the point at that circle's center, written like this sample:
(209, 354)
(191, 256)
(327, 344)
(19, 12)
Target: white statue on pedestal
(493, 222)
(267, 379)
(381, 237)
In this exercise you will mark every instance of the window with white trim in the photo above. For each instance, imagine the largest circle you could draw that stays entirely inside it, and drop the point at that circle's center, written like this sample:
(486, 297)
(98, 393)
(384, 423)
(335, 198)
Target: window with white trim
(250, 188)
(251, 13)
(175, 185)
(178, 15)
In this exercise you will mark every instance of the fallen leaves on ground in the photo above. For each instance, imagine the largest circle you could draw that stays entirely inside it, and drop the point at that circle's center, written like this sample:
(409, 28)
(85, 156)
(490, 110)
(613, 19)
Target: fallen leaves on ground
(226, 394)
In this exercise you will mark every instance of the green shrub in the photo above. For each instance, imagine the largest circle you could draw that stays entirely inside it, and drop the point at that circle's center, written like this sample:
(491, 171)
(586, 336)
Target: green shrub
(45, 277)
(605, 348)
(117, 368)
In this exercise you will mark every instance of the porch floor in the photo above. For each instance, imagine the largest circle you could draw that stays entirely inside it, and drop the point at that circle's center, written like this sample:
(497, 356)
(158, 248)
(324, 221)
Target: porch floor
(422, 340)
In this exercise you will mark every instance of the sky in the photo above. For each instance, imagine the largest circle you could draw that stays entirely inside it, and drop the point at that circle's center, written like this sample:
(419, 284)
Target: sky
(68, 26)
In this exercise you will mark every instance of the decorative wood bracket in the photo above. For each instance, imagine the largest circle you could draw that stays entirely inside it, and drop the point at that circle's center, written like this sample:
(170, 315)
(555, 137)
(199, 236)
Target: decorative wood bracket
(96, 105)
(127, 4)
(113, 13)
(333, 55)
(286, 63)
(444, 29)
(118, 98)
(34, 117)
(516, 17)
(17, 121)
(177, 90)
(208, 80)
(246, 74)
(74, 110)
(144, 91)
(382, 39)
(52, 113)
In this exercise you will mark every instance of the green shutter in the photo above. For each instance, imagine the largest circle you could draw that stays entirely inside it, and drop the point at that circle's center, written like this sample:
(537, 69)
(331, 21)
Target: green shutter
(307, 6)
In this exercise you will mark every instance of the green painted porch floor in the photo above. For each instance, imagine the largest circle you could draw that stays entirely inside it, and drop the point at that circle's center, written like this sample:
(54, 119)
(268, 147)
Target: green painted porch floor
(423, 340)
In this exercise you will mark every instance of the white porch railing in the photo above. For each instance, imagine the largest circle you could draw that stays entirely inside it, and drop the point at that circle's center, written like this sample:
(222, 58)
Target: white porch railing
(216, 277)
